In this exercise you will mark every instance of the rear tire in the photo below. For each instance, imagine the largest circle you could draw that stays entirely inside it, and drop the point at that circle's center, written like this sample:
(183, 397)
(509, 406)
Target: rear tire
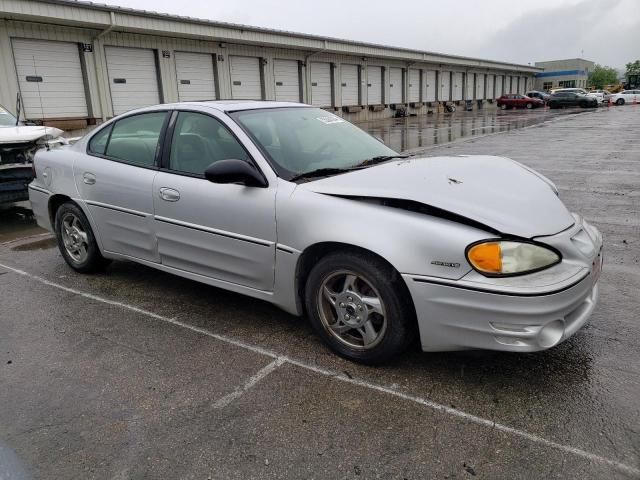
(529, 106)
(360, 307)
(76, 240)
(503, 106)
(620, 101)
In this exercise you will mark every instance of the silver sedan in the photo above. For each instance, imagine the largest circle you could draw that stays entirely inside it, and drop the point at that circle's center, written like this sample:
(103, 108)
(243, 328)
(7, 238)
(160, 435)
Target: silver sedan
(296, 206)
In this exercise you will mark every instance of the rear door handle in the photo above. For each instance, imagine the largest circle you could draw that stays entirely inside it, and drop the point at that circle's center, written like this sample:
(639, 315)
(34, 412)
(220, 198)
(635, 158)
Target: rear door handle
(169, 194)
(88, 178)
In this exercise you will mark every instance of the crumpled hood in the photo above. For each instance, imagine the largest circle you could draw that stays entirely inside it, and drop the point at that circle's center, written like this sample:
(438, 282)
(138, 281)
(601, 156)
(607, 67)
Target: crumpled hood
(494, 191)
(28, 134)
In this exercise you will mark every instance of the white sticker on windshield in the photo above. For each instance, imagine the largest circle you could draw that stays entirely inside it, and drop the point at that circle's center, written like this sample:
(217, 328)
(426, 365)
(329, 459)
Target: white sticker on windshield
(329, 120)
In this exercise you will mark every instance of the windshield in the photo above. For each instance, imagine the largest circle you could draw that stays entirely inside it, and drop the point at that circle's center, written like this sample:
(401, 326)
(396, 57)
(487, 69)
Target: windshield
(6, 119)
(299, 140)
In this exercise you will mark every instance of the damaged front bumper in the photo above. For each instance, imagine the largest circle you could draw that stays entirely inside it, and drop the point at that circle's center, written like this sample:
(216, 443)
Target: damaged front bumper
(14, 180)
(16, 167)
(518, 314)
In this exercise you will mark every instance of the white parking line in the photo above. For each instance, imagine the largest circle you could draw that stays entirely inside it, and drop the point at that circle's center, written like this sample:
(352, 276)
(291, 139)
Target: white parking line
(262, 373)
(281, 359)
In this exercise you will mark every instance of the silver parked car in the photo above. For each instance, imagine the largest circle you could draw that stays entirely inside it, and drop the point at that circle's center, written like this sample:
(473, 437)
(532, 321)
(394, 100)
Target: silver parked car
(296, 206)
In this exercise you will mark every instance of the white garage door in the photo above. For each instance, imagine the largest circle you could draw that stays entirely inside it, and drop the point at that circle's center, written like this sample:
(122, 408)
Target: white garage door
(350, 85)
(132, 78)
(287, 80)
(245, 78)
(444, 94)
(499, 85)
(50, 79)
(196, 79)
(457, 86)
(414, 85)
(468, 86)
(430, 86)
(523, 84)
(321, 84)
(480, 86)
(395, 85)
(490, 83)
(374, 85)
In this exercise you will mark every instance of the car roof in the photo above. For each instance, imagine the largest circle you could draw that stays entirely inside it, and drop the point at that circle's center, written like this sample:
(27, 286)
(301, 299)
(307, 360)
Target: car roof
(220, 105)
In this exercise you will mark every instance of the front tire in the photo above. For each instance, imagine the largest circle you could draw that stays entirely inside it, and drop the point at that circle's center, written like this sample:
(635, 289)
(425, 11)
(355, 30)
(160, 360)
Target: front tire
(360, 307)
(76, 240)
(620, 101)
(503, 106)
(529, 106)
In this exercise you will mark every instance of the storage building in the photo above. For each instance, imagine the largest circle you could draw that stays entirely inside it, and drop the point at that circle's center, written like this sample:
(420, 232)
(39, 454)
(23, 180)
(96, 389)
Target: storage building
(78, 63)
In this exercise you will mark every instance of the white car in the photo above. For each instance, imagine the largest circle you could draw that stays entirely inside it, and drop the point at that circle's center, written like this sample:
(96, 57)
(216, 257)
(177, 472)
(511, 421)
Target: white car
(626, 96)
(18, 144)
(572, 90)
(601, 95)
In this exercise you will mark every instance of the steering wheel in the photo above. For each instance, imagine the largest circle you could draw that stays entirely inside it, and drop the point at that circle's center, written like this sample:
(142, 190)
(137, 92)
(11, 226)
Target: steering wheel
(326, 147)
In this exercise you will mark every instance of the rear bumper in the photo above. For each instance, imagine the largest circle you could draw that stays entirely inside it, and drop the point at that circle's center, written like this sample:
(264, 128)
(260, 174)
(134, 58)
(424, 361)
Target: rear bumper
(452, 318)
(39, 199)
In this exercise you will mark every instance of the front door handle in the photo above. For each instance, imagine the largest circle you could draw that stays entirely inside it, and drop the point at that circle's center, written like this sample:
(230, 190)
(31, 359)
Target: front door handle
(88, 178)
(169, 194)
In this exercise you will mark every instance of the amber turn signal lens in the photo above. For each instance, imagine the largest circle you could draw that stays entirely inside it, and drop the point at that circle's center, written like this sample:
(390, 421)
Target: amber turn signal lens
(486, 257)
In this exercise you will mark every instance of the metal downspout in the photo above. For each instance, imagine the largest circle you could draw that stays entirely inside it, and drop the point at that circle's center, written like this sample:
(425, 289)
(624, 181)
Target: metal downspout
(112, 24)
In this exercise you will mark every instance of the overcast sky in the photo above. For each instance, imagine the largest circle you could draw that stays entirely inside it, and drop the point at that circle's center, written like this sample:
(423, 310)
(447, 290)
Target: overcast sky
(605, 31)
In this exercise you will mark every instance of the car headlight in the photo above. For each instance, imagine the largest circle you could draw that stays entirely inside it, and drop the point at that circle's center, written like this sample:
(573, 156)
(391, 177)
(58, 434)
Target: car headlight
(506, 258)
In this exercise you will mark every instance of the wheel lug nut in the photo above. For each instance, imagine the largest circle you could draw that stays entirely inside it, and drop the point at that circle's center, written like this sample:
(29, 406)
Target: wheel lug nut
(350, 299)
(342, 305)
(347, 317)
(357, 318)
(359, 307)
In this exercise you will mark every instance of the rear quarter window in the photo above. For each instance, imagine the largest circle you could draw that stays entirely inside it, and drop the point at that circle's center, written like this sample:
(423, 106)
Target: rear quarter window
(98, 142)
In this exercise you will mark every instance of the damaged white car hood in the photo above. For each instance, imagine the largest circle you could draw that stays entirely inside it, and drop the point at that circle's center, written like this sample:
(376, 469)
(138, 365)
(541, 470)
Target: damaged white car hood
(28, 134)
(494, 191)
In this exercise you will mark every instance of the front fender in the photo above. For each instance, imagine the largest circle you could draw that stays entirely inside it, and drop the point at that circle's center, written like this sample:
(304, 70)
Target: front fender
(411, 242)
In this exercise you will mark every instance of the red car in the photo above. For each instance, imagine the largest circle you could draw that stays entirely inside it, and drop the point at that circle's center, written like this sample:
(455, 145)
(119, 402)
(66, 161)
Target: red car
(514, 100)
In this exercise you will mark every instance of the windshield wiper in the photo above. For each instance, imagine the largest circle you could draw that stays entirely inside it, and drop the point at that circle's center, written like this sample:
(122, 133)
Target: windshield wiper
(320, 172)
(325, 172)
(380, 159)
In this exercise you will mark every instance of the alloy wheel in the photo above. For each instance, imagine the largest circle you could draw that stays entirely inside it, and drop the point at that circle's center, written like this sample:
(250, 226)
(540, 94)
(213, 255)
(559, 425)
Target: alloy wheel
(352, 310)
(74, 238)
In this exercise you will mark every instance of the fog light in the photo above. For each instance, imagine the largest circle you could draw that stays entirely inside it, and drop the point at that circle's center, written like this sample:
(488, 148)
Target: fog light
(551, 334)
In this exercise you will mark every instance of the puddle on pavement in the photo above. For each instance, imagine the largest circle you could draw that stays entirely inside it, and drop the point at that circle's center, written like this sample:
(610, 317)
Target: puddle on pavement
(414, 133)
(42, 244)
(16, 221)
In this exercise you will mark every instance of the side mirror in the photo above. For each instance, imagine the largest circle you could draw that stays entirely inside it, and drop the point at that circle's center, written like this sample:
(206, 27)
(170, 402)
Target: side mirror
(234, 171)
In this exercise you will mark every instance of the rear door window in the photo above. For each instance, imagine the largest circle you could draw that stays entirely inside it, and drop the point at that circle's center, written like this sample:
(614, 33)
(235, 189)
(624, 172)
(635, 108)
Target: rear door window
(135, 139)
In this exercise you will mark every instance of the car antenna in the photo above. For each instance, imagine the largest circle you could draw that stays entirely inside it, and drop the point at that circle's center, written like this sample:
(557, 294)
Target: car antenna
(18, 107)
(38, 80)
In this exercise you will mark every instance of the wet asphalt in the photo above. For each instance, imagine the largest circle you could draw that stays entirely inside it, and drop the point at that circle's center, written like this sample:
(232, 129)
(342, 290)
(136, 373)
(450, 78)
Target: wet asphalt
(139, 374)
